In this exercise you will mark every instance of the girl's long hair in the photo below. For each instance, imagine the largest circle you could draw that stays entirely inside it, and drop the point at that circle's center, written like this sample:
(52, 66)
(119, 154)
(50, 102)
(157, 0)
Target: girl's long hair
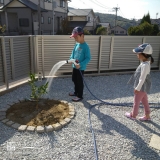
(148, 56)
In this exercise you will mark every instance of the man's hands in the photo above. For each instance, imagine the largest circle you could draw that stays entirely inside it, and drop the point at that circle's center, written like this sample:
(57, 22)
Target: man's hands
(77, 66)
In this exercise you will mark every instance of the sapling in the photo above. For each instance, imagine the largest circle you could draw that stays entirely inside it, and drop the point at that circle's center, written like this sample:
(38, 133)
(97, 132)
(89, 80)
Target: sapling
(37, 91)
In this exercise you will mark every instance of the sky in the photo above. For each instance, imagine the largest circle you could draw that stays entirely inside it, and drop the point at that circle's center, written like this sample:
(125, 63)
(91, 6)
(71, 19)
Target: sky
(128, 8)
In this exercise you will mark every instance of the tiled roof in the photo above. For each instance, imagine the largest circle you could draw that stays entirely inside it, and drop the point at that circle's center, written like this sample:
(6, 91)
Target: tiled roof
(79, 12)
(27, 3)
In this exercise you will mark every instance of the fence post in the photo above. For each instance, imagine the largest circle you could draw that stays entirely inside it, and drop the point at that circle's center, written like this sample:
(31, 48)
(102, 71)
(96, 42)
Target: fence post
(31, 54)
(100, 52)
(111, 52)
(143, 40)
(12, 58)
(43, 58)
(5, 63)
(36, 54)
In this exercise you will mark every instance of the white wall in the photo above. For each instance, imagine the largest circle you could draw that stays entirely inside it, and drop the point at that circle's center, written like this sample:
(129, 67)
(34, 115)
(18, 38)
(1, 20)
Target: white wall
(90, 24)
(16, 4)
(78, 18)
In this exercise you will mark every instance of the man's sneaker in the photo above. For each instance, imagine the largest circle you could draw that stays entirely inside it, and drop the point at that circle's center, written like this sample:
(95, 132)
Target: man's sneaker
(77, 99)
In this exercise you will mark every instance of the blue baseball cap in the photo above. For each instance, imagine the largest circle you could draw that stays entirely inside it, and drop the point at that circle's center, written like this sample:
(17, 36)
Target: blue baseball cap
(76, 31)
(144, 48)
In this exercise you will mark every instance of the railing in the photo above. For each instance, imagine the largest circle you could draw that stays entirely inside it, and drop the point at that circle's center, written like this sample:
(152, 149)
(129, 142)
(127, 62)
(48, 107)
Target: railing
(20, 55)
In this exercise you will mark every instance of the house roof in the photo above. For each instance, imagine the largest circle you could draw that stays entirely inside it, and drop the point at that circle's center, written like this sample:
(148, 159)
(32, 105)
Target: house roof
(73, 24)
(79, 12)
(105, 24)
(118, 26)
(97, 17)
(155, 21)
(27, 3)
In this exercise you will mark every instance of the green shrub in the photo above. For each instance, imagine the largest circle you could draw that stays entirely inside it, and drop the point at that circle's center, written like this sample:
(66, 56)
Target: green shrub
(37, 92)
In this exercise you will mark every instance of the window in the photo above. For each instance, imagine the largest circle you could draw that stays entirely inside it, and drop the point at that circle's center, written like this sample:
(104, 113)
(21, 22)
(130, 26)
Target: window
(121, 31)
(24, 22)
(112, 31)
(89, 19)
(71, 18)
(42, 20)
(49, 1)
(49, 20)
(62, 3)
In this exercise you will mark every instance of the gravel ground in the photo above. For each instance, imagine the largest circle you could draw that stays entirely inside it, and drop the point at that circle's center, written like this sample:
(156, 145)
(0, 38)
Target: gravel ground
(117, 137)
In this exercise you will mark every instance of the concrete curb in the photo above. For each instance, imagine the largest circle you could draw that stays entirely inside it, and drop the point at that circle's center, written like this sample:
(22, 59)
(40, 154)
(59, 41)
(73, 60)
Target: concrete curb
(38, 129)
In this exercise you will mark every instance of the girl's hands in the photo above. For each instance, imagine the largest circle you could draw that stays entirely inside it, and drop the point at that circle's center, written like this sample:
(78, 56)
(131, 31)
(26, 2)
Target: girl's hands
(136, 91)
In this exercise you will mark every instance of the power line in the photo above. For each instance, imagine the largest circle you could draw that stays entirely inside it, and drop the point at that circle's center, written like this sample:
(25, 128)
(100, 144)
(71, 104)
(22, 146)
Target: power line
(100, 4)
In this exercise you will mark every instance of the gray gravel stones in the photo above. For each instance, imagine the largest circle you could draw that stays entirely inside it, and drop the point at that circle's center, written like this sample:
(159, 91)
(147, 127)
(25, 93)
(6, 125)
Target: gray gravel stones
(116, 136)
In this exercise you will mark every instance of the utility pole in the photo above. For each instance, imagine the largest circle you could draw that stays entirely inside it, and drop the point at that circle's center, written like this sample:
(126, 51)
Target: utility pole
(116, 9)
(39, 17)
(156, 15)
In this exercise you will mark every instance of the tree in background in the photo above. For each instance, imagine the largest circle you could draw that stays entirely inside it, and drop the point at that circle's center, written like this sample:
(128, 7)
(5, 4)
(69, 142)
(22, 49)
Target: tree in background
(65, 27)
(145, 27)
(146, 18)
(135, 31)
(86, 32)
(101, 31)
(158, 34)
(2, 29)
(155, 30)
(95, 30)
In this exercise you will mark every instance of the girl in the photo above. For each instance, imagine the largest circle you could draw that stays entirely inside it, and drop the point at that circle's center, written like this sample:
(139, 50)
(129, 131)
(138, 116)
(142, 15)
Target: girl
(141, 82)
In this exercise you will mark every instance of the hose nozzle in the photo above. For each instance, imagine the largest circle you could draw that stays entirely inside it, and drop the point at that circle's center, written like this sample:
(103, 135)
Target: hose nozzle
(71, 61)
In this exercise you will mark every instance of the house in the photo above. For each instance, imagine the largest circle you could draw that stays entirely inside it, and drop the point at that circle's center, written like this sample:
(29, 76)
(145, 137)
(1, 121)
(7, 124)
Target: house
(107, 26)
(84, 18)
(156, 21)
(118, 30)
(32, 16)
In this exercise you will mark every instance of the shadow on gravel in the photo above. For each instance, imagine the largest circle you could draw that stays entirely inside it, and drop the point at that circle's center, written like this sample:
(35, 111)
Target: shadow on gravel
(6, 133)
(149, 129)
(141, 149)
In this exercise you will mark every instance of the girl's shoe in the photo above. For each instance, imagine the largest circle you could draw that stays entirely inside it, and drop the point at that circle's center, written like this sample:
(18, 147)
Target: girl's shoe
(76, 99)
(129, 115)
(144, 118)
